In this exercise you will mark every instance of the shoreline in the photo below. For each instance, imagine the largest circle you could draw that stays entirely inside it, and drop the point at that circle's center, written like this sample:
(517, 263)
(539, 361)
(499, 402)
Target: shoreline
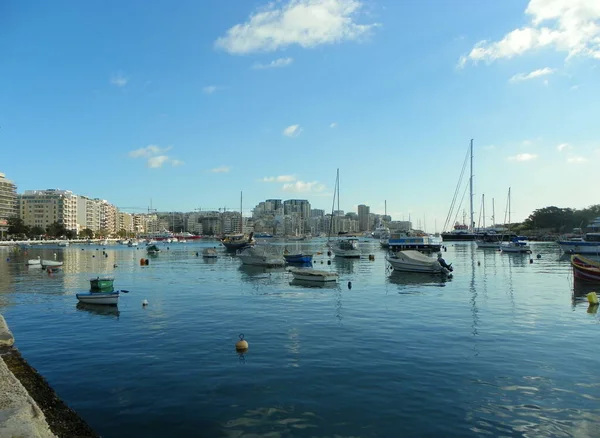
(60, 418)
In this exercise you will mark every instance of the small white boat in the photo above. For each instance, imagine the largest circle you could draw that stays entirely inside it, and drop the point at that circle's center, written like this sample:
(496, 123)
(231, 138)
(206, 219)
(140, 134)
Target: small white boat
(517, 246)
(345, 247)
(34, 262)
(132, 243)
(63, 243)
(414, 261)
(152, 249)
(209, 253)
(106, 298)
(309, 274)
(50, 264)
(265, 255)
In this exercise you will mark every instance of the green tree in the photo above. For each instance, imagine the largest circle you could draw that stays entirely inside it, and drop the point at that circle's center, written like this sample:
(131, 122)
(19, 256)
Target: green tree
(56, 230)
(70, 234)
(17, 227)
(86, 233)
(555, 218)
(102, 232)
(36, 231)
(122, 233)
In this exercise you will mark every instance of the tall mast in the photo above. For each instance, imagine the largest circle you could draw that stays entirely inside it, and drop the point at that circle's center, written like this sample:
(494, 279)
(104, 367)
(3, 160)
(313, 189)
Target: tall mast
(483, 208)
(241, 215)
(509, 206)
(493, 213)
(471, 188)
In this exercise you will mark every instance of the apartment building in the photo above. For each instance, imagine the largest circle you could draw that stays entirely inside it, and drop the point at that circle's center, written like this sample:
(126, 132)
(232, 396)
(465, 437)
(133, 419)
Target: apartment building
(41, 208)
(8, 202)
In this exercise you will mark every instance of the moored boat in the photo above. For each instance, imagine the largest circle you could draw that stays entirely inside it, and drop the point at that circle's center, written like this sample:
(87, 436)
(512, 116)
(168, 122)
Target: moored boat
(515, 246)
(590, 244)
(414, 261)
(265, 255)
(50, 264)
(106, 298)
(585, 269)
(297, 258)
(309, 274)
(234, 242)
(34, 262)
(345, 247)
(101, 284)
(152, 249)
(209, 253)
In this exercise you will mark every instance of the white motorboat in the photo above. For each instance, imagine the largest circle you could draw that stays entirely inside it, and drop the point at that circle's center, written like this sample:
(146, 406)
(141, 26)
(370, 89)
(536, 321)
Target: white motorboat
(414, 261)
(516, 246)
(106, 298)
(309, 274)
(209, 253)
(590, 244)
(63, 243)
(345, 247)
(132, 242)
(34, 262)
(264, 255)
(50, 264)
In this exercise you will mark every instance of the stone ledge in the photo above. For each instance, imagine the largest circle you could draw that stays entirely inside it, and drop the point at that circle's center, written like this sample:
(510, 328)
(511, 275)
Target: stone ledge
(6, 337)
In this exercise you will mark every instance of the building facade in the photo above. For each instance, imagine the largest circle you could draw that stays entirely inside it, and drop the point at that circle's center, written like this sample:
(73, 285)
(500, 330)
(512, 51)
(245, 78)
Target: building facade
(363, 218)
(41, 208)
(8, 202)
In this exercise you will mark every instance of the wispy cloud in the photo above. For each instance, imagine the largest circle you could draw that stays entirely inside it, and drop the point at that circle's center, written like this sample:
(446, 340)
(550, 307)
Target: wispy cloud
(222, 169)
(532, 75)
(303, 187)
(333, 125)
(155, 156)
(523, 157)
(210, 89)
(568, 26)
(292, 131)
(576, 160)
(307, 23)
(277, 63)
(279, 179)
(561, 147)
(119, 79)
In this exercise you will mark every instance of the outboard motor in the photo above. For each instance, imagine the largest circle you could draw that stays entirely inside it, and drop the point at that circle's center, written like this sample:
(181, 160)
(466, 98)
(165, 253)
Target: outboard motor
(443, 263)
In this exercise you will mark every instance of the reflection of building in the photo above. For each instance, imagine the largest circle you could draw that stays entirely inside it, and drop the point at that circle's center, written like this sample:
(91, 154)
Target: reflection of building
(41, 208)
(8, 202)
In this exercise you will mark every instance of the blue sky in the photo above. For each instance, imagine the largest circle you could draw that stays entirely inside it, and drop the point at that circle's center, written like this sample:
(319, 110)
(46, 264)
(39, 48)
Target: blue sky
(189, 103)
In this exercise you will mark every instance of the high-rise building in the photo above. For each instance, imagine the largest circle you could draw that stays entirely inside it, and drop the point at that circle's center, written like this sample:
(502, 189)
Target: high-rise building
(8, 202)
(41, 208)
(301, 206)
(363, 218)
(89, 213)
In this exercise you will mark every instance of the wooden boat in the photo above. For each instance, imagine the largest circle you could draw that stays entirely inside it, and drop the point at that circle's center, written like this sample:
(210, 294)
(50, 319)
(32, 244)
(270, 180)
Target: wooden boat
(105, 298)
(309, 274)
(235, 242)
(297, 258)
(209, 253)
(414, 261)
(346, 248)
(101, 284)
(585, 269)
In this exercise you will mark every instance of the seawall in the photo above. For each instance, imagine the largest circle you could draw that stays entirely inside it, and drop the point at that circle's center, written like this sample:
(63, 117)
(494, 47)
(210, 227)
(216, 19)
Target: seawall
(29, 407)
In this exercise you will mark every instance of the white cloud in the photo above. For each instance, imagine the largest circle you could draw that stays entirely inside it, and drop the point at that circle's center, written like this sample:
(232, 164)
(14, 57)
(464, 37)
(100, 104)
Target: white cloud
(576, 160)
(568, 26)
(155, 156)
(119, 80)
(333, 125)
(563, 146)
(523, 157)
(210, 89)
(307, 23)
(158, 161)
(303, 187)
(534, 74)
(222, 169)
(280, 178)
(148, 151)
(277, 63)
(292, 131)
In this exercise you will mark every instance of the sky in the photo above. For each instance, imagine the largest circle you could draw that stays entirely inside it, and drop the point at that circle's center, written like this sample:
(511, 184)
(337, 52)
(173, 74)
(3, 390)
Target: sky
(187, 104)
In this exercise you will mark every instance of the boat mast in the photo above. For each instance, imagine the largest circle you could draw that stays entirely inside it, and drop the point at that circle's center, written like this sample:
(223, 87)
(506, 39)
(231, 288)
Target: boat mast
(493, 213)
(471, 188)
(483, 208)
(241, 215)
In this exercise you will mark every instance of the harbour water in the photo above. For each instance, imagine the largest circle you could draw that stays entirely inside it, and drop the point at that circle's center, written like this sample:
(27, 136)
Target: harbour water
(501, 349)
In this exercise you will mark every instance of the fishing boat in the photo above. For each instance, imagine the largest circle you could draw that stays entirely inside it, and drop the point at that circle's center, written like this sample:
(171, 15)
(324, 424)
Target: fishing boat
(414, 261)
(152, 249)
(34, 262)
(585, 269)
(313, 275)
(264, 255)
(297, 258)
(106, 298)
(235, 242)
(99, 284)
(209, 253)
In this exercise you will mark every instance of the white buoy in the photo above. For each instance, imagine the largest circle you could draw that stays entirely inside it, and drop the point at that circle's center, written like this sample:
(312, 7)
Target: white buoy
(145, 303)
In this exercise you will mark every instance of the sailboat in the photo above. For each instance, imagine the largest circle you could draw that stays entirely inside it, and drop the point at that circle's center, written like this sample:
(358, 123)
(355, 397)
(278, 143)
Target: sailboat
(341, 247)
(241, 240)
(515, 245)
(489, 239)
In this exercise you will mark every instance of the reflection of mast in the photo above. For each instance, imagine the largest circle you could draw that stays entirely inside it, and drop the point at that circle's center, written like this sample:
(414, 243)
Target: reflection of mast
(474, 309)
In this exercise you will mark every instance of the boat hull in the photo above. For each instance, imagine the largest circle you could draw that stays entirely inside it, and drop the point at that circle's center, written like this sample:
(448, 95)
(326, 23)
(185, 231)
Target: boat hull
(580, 247)
(107, 299)
(405, 263)
(101, 284)
(585, 269)
(298, 258)
(312, 275)
(458, 237)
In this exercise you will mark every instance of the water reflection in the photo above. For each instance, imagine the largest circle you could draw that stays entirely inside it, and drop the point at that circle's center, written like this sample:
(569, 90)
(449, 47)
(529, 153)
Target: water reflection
(315, 284)
(417, 279)
(97, 309)
(260, 274)
(344, 265)
(580, 291)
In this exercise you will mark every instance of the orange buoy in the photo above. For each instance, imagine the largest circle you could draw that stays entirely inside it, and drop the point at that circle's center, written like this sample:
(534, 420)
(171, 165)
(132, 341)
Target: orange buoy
(142, 262)
(241, 345)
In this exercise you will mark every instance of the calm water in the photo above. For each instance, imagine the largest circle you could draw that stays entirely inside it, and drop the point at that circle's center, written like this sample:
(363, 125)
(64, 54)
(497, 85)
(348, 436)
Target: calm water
(501, 349)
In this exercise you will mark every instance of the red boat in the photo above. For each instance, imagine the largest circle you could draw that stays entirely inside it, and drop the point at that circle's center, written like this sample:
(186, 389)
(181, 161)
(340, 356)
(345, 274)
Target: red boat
(585, 269)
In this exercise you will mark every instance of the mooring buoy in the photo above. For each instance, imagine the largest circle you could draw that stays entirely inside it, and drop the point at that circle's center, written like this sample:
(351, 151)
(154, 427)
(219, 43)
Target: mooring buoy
(242, 344)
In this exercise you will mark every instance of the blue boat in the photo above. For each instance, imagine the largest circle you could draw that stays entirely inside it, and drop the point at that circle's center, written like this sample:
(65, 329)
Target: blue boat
(297, 258)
